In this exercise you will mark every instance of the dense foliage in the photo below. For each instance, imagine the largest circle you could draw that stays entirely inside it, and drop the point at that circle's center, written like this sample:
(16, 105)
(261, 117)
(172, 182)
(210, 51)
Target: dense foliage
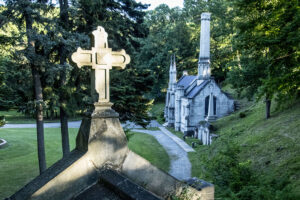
(234, 179)
(64, 85)
(267, 48)
(254, 45)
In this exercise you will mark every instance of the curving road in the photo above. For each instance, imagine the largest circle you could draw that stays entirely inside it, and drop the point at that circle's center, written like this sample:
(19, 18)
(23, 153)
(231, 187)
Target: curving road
(180, 166)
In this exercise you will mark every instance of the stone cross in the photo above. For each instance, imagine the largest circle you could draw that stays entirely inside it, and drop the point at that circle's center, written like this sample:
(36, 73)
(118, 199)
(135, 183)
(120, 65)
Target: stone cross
(102, 59)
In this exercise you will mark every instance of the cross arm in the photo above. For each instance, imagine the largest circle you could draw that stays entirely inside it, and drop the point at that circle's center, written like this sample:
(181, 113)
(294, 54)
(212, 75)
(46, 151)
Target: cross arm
(82, 57)
(120, 59)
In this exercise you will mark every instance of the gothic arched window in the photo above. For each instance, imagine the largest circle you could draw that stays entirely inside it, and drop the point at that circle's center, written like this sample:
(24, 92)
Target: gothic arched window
(207, 103)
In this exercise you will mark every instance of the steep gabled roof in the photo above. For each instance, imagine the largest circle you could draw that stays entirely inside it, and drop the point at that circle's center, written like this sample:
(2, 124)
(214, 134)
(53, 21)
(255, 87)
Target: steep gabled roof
(185, 81)
(197, 89)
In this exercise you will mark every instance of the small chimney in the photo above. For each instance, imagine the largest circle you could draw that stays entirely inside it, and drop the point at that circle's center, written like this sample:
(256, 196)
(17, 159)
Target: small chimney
(185, 73)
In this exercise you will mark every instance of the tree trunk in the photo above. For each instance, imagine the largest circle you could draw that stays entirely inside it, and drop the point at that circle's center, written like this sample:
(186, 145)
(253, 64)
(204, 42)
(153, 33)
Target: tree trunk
(64, 132)
(268, 108)
(38, 93)
(63, 114)
(51, 114)
(39, 119)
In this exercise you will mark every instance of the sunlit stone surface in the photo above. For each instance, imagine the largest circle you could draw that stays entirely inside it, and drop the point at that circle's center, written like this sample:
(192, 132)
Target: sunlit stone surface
(102, 59)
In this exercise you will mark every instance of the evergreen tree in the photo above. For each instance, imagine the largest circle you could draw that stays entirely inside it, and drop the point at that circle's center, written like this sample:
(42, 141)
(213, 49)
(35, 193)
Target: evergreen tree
(168, 34)
(64, 23)
(28, 16)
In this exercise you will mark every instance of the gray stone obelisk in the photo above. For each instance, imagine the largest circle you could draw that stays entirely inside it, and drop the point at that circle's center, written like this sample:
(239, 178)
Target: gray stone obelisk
(204, 55)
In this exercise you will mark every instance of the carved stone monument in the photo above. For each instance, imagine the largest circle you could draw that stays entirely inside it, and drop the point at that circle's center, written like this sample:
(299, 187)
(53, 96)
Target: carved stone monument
(102, 166)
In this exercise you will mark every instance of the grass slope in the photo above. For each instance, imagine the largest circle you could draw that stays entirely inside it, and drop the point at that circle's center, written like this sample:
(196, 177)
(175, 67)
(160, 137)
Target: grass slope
(19, 164)
(148, 147)
(270, 148)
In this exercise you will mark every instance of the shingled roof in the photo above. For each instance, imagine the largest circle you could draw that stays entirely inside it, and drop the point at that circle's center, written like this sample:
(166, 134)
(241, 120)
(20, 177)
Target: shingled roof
(197, 89)
(185, 81)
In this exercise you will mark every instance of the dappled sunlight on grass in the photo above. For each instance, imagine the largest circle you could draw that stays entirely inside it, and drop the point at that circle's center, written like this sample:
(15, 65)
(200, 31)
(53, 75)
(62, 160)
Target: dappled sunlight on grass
(148, 147)
(18, 161)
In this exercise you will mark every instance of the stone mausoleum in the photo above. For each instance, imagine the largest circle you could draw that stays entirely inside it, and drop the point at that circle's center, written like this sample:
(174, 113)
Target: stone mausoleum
(194, 99)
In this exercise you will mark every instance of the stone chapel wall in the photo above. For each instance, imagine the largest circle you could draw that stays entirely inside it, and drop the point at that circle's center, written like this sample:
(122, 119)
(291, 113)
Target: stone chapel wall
(185, 110)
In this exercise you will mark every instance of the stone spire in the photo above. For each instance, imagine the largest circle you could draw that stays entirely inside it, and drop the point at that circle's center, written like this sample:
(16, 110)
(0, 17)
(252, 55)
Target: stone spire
(204, 55)
(172, 73)
(174, 70)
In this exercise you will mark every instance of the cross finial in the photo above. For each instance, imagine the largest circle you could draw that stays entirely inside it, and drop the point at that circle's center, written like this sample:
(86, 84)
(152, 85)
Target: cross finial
(102, 59)
(100, 38)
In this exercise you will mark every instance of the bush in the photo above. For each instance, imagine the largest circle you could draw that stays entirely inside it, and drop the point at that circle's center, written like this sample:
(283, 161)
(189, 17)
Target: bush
(235, 180)
(242, 115)
(128, 133)
(2, 121)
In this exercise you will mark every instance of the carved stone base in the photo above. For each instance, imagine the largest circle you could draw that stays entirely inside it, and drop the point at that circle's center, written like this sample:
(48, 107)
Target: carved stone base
(104, 110)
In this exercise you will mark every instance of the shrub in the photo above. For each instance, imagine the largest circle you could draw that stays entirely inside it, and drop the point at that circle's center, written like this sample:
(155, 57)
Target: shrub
(235, 180)
(128, 133)
(242, 115)
(2, 121)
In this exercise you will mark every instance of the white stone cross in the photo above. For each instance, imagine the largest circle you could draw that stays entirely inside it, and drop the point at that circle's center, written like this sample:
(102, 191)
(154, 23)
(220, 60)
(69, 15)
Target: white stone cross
(102, 59)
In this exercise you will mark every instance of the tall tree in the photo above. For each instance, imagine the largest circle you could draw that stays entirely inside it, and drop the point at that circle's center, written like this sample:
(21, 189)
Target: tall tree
(267, 45)
(168, 33)
(64, 23)
(28, 16)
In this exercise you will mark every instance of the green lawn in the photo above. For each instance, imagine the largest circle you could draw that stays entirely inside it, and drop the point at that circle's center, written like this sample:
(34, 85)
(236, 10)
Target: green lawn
(18, 161)
(148, 147)
(19, 164)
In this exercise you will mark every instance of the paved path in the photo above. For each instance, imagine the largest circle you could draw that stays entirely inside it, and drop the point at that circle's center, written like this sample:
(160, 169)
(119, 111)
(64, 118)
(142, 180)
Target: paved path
(75, 124)
(180, 165)
(131, 125)
(176, 139)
